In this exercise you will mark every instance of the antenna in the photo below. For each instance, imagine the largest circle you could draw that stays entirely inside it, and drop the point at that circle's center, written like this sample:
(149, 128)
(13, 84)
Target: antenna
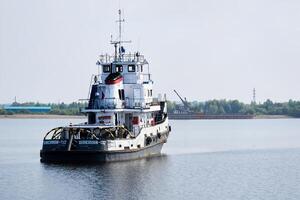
(254, 96)
(120, 25)
(117, 43)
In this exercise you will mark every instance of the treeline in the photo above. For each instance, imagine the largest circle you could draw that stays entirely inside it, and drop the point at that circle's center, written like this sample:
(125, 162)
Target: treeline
(56, 108)
(212, 107)
(222, 107)
(67, 109)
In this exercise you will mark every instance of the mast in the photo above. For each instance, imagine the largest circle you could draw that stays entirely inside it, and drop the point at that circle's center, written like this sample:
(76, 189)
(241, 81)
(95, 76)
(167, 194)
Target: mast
(117, 43)
(120, 25)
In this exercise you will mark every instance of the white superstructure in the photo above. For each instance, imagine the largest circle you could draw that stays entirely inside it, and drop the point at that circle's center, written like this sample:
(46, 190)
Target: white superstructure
(125, 121)
(122, 95)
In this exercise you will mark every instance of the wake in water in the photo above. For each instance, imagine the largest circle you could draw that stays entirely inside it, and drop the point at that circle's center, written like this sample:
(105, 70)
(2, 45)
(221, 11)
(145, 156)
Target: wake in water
(178, 151)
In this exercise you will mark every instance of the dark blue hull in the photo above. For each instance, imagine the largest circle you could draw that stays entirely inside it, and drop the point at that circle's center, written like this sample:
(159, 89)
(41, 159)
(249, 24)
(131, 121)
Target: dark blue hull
(62, 156)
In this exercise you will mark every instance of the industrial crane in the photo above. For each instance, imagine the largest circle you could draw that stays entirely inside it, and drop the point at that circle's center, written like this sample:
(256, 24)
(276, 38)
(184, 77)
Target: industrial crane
(185, 103)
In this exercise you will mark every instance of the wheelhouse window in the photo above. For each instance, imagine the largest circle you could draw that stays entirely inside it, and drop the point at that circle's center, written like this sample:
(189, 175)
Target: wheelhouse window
(119, 68)
(131, 68)
(106, 68)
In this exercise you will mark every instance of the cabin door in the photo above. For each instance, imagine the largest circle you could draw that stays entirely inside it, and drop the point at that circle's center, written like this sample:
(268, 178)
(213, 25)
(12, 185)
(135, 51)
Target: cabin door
(128, 121)
(91, 118)
(137, 97)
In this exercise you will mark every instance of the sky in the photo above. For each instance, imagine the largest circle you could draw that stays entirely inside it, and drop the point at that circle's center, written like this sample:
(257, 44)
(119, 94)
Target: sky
(216, 49)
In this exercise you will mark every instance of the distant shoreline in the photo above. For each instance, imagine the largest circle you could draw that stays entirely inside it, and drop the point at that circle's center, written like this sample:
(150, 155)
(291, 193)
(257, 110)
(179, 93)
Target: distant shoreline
(49, 116)
(41, 116)
(272, 117)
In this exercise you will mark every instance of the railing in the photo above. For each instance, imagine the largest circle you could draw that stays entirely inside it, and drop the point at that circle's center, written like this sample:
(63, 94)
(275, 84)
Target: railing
(125, 57)
(114, 103)
(107, 103)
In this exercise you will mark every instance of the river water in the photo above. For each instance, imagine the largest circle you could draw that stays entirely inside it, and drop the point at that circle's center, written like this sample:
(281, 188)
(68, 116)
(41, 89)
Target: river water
(205, 159)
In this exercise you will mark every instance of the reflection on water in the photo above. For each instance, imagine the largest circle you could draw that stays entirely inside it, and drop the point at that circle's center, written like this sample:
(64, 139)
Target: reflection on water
(223, 159)
(116, 180)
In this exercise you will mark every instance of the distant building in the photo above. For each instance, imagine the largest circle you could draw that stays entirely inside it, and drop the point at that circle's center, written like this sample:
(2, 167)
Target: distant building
(32, 109)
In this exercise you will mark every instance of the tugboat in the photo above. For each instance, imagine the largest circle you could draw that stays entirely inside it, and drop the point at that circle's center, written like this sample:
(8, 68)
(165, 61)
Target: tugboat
(124, 120)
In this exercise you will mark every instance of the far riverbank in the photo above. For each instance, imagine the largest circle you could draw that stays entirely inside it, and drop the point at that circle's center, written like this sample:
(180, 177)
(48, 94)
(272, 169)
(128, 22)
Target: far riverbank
(41, 116)
(48, 116)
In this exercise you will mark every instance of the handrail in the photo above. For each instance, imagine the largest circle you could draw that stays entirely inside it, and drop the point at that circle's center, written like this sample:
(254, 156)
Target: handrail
(106, 58)
(158, 122)
(72, 131)
(111, 103)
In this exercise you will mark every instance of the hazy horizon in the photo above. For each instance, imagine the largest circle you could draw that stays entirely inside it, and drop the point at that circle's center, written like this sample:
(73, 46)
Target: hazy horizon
(203, 49)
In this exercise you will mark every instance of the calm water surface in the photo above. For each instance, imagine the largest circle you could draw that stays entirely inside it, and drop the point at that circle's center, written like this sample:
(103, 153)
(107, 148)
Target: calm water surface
(217, 159)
